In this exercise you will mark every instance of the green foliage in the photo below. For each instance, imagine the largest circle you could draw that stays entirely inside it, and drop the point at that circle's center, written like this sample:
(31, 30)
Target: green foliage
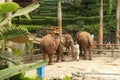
(67, 78)
(18, 77)
(31, 28)
(20, 12)
(26, 10)
(14, 31)
(93, 29)
(11, 71)
(8, 7)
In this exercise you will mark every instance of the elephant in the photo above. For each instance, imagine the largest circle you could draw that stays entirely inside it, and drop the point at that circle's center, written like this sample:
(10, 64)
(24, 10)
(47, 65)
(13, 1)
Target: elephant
(49, 46)
(85, 41)
(67, 42)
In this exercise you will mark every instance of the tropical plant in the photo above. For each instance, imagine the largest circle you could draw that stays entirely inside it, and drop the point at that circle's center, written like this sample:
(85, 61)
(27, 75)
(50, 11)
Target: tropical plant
(17, 11)
(9, 72)
(11, 32)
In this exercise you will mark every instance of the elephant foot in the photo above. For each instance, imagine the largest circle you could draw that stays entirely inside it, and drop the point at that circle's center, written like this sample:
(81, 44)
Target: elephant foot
(77, 59)
(63, 60)
(50, 63)
(81, 55)
(90, 59)
(58, 61)
(84, 58)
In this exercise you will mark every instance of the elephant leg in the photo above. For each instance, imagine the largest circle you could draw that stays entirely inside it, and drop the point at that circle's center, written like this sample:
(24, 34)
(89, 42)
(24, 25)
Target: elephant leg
(58, 57)
(59, 53)
(62, 57)
(90, 53)
(80, 54)
(85, 54)
(50, 59)
(44, 55)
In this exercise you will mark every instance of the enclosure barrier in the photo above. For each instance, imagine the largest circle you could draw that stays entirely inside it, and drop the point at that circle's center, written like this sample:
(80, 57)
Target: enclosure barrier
(106, 48)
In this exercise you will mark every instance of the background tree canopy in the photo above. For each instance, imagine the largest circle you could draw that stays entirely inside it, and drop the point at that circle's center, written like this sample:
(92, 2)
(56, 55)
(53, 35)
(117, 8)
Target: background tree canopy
(80, 14)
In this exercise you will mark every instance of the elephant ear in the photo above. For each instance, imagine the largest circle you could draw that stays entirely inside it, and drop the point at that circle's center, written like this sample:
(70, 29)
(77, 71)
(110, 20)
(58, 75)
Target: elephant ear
(62, 40)
(77, 35)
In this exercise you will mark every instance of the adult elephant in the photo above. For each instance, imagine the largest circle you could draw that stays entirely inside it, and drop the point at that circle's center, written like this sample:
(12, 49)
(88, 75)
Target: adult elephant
(85, 42)
(67, 42)
(49, 46)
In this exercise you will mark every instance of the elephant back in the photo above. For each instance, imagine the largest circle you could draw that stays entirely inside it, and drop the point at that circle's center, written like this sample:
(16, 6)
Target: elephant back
(86, 36)
(48, 43)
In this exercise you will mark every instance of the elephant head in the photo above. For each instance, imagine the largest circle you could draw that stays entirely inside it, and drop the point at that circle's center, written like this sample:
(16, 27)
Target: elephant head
(67, 42)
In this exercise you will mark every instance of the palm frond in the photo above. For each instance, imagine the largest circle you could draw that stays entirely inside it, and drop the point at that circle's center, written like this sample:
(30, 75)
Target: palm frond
(8, 7)
(10, 32)
(20, 12)
(8, 72)
(27, 9)
(7, 56)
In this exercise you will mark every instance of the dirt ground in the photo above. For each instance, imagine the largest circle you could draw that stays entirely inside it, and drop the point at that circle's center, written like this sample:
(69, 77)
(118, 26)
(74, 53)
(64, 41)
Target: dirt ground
(101, 63)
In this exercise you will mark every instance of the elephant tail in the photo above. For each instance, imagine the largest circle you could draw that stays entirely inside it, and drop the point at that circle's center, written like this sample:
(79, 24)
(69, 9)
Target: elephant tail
(90, 40)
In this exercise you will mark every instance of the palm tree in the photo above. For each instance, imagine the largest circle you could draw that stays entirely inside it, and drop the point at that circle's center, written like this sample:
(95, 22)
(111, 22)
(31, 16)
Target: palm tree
(100, 38)
(6, 33)
(60, 17)
(73, 3)
(117, 22)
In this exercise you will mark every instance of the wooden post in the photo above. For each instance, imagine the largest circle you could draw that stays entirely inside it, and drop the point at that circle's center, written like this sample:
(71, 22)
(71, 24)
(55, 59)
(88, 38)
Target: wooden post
(112, 51)
(100, 38)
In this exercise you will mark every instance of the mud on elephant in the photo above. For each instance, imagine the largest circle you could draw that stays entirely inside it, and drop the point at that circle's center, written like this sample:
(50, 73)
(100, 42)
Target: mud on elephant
(85, 42)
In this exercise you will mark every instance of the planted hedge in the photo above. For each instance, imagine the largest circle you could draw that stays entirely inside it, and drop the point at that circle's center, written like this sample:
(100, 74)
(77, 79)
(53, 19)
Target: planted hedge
(65, 21)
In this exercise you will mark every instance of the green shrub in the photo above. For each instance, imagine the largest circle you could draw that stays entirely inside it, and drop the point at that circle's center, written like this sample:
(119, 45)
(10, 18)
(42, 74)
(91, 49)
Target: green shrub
(67, 78)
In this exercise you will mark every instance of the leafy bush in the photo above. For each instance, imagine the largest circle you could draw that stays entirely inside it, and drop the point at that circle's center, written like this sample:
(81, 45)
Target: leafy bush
(67, 78)
(31, 28)
(69, 20)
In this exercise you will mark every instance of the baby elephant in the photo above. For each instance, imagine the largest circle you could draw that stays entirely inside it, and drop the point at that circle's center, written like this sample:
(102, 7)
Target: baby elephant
(85, 41)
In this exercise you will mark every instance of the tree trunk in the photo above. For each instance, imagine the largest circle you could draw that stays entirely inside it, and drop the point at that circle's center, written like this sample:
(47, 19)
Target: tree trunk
(60, 17)
(100, 38)
(117, 22)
